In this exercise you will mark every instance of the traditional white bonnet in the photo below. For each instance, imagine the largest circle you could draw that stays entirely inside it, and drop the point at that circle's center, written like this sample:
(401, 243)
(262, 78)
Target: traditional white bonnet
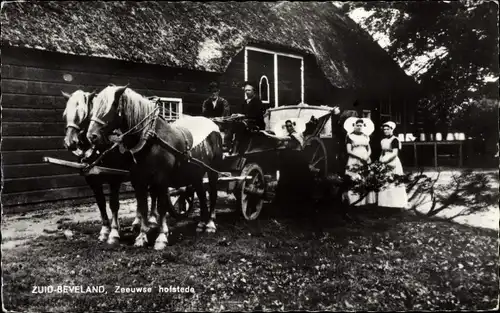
(392, 125)
(367, 128)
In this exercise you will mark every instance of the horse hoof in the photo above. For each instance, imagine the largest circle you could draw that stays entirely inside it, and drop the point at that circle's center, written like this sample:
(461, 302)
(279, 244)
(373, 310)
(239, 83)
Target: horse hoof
(211, 227)
(141, 241)
(140, 244)
(200, 227)
(161, 242)
(160, 245)
(104, 234)
(210, 230)
(113, 240)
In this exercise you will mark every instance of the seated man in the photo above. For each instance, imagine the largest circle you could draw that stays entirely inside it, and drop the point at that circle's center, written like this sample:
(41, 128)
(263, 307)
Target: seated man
(294, 140)
(253, 120)
(253, 108)
(216, 106)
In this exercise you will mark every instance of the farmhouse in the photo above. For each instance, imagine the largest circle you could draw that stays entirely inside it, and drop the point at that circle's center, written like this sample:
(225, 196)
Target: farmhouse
(297, 52)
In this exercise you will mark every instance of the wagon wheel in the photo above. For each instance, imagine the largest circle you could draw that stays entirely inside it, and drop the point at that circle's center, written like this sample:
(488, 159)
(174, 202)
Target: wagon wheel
(183, 204)
(316, 155)
(250, 193)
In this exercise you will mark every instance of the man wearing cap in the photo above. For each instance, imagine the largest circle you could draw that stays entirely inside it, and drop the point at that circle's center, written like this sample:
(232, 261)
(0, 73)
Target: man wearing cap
(215, 105)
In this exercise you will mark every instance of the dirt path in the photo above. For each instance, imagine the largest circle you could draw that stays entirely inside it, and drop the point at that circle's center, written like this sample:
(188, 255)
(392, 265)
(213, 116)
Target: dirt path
(20, 229)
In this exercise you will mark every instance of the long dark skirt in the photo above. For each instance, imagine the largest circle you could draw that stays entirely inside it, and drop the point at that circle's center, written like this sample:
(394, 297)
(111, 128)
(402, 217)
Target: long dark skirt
(294, 185)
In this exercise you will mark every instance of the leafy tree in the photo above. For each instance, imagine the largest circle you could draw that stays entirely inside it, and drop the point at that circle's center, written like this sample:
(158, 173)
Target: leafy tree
(460, 39)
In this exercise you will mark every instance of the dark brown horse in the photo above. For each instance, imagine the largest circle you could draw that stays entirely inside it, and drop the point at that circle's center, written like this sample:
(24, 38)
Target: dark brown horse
(160, 161)
(77, 115)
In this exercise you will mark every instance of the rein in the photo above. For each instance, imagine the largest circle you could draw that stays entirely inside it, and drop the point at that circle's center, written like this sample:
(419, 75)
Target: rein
(151, 134)
(119, 140)
(187, 157)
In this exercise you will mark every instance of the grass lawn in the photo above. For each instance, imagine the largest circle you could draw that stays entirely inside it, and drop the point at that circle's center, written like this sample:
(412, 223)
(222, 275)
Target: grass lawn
(393, 261)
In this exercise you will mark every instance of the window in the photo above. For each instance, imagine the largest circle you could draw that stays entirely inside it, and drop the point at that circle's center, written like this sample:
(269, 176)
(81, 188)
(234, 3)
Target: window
(264, 89)
(170, 108)
(397, 118)
(411, 118)
(385, 111)
(367, 114)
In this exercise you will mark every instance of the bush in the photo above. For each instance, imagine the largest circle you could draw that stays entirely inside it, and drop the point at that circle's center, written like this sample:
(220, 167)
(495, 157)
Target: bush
(372, 177)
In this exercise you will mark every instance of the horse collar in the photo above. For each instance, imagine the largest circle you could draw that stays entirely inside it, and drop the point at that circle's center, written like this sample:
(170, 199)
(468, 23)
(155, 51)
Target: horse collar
(145, 136)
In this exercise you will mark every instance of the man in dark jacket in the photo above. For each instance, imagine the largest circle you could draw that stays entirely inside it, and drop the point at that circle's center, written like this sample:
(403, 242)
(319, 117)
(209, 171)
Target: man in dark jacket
(215, 105)
(253, 111)
(253, 108)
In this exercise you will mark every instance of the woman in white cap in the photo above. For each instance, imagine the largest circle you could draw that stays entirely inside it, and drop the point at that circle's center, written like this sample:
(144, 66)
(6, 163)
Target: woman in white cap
(392, 195)
(358, 153)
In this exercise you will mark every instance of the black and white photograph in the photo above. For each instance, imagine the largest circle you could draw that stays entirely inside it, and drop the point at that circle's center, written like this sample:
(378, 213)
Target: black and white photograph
(161, 156)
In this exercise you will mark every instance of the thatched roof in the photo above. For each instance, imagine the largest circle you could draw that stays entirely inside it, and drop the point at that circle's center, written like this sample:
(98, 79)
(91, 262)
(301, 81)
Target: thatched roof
(202, 35)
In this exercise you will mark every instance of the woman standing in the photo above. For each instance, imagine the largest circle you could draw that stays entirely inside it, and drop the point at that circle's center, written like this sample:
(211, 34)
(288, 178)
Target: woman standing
(358, 153)
(392, 195)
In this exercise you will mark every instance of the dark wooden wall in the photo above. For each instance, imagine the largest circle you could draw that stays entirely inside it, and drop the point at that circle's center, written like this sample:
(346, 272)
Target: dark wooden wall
(32, 107)
(231, 82)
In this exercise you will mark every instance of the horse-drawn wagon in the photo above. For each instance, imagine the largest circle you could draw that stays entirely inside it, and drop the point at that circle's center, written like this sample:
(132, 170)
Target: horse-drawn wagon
(255, 161)
(246, 173)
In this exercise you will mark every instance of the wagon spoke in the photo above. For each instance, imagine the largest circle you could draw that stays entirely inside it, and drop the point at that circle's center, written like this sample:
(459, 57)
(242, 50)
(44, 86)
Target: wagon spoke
(315, 152)
(321, 159)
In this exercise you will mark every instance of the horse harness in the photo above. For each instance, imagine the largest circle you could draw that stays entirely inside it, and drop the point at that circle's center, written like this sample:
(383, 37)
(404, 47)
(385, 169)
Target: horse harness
(150, 134)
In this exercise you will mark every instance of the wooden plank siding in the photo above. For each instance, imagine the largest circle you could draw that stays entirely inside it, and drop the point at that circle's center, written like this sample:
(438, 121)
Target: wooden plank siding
(34, 156)
(39, 196)
(32, 108)
(231, 82)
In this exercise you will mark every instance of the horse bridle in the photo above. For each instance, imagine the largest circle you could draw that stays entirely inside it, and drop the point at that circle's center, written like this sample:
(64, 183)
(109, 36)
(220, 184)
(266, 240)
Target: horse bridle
(104, 124)
(78, 128)
(99, 121)
(74, 126)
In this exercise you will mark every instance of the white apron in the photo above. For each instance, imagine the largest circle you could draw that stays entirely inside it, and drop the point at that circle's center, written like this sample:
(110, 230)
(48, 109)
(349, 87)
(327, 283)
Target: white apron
(392, 195)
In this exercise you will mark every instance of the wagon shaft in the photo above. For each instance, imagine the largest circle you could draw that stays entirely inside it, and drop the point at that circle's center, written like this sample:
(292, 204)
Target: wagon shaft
(313, 169)
(176, 192)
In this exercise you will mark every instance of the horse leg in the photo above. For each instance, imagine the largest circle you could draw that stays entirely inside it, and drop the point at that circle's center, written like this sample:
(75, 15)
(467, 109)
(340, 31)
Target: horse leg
(114, 204)
(153, 218)
(202, 197)
(164, 205)
(96, 187)
(141, 195)
(212, 181)
(136, 224)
